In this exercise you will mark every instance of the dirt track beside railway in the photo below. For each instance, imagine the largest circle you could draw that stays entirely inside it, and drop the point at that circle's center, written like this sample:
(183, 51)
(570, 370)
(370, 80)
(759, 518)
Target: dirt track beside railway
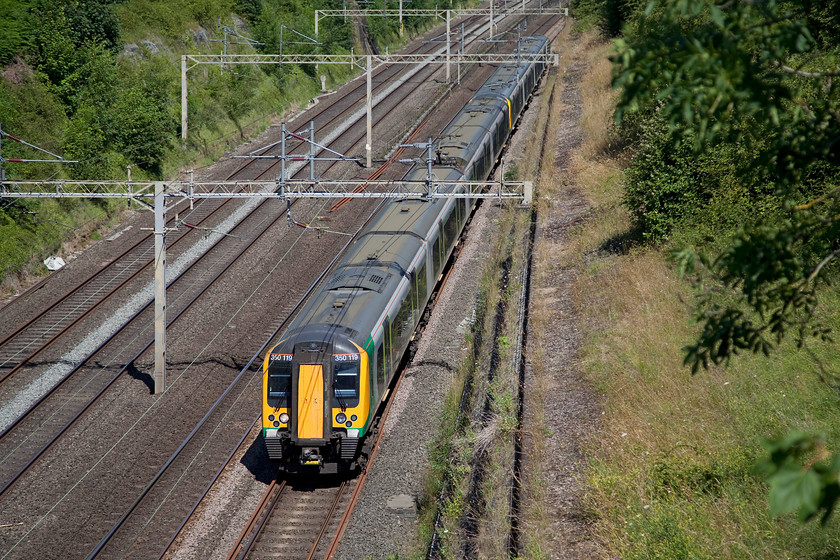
(561, 410)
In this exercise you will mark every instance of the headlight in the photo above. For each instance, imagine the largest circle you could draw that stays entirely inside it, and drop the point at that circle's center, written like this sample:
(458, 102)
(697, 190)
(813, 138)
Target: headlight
(340, 418)
(271, 418)
(276, 424)
(354, 418)
(284, 418)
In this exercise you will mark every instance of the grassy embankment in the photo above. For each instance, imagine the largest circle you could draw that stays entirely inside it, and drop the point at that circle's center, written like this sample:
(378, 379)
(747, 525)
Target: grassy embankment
(671, 472)
(225, 107)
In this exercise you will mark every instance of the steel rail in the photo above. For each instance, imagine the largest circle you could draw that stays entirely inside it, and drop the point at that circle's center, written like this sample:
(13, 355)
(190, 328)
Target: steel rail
(207, 489)
(264, 507)
(262, 517)
(327, 519)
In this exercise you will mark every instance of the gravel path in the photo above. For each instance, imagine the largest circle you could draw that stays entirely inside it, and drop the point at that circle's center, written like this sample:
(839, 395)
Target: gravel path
(570, 405)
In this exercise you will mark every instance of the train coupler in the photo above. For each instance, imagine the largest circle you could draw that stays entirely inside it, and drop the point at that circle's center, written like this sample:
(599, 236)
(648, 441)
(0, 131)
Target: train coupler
(309, 457)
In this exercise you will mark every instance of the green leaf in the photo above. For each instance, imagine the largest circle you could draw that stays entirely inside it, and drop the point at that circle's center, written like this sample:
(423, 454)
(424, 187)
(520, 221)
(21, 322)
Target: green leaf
(792, 489)
(717, 16)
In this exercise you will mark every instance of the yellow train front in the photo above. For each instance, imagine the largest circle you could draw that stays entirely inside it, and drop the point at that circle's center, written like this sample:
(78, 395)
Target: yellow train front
(317, 401)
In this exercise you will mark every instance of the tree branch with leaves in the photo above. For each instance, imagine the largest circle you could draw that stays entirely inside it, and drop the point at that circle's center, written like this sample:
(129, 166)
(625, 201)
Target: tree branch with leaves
(706, 68)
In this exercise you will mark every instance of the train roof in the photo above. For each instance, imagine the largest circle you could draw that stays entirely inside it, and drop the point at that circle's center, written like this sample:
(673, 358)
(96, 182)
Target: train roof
(375, 264)
(470, 125)
(352, 298)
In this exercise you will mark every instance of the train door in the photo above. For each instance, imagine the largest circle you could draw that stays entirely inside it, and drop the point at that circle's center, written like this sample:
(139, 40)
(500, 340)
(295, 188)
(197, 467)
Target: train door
(310, 409)
(311, 378)
(402, 325)
(438, 250)
(377, 366)
(421, 287)
(387, 345)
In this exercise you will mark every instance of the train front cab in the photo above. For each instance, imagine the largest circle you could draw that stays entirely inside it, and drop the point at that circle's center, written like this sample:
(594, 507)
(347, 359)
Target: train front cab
(316, 401)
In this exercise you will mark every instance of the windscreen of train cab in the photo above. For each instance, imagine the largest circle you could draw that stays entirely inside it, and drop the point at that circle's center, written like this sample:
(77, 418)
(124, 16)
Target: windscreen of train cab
(279, 380)
(347, 368)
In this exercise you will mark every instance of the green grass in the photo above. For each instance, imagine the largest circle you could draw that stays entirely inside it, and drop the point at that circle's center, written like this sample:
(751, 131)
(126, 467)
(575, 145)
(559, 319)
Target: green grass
(672, 474)
(26, 239)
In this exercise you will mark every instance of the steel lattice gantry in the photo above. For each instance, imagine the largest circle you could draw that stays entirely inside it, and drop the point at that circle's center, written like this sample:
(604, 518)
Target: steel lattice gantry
(440, 13)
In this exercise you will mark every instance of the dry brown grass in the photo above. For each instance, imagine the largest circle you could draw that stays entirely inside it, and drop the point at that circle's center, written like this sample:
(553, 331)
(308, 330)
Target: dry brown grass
(599, 102)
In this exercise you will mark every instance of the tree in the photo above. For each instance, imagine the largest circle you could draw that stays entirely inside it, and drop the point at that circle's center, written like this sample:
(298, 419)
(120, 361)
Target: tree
(703, 68)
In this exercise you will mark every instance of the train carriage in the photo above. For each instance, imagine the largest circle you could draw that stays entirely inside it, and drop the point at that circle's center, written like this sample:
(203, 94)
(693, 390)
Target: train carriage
(324, 380)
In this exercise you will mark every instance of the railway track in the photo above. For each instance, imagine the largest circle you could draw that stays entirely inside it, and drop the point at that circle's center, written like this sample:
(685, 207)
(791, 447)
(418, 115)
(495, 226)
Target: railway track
(31, 434)
(34, 431)
(43, 329)
(91, 386)
(38, 333)
(296, 520)
(134, 535)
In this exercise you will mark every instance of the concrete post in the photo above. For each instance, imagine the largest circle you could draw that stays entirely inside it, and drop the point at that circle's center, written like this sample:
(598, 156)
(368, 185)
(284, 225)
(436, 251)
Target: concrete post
(283, 156)
(447, 45)
(184, 100)
(312, 152)
(461, 55)
(160, 289)
(368, 146)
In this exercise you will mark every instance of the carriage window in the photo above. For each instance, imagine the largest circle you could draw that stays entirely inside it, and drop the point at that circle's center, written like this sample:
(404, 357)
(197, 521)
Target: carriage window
(347, 367)
(437, 256)
(420, 286)
(280, 379)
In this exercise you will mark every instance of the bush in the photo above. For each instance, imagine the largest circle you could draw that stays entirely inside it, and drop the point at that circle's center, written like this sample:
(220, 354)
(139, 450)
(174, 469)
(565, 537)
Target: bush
(670, 186)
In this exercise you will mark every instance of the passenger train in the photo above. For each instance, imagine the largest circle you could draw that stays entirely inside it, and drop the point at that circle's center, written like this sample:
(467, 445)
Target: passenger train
(324, 380)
